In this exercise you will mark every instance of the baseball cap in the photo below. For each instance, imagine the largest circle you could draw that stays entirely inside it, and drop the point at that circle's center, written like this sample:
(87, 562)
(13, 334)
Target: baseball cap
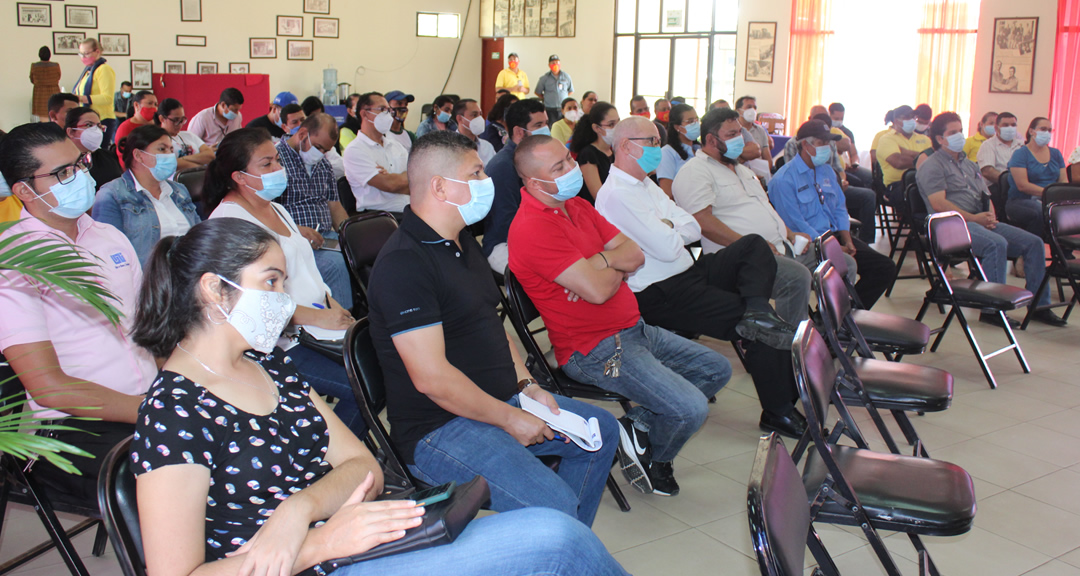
(395, 95)
(513, 55)
(553, 58)
(815, 129)
(285, 98)
(902, 111)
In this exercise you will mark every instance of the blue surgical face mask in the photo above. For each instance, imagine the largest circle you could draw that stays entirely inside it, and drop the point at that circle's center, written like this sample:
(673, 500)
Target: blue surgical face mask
(693, 131)
(482, 194)
(955, 142)
(229, 115)
(1008, 133)
(541, 131)
(734, 147)
(989, 131)
(443, 117)
(1042, 138)
(273, 184)
(164, 167)
(649, 159)
(821, 155)
(569, 184)
(74, 198)
(908, 126)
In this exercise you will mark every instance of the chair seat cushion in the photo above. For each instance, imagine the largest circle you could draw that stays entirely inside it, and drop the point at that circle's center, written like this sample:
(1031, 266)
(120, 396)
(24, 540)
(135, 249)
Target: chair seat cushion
(890, 330)
(897, 386)
(903, 493)
(1070, 242)
(979, 294)
(1072, 268)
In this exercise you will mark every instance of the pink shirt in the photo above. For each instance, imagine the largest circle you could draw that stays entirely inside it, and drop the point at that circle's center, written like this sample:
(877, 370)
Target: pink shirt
(205, 125)
(88, 346)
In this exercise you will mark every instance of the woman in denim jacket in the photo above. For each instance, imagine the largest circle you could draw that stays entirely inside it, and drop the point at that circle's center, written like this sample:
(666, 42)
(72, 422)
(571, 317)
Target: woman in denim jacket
(143, 203)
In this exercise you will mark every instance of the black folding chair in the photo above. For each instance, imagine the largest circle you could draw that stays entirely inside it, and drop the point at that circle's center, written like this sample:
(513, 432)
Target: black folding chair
(120, 509)
(905, 224)
(886, 216)
(776, 506)
(949, 240)
(546, 370)
(999, 197)
(345, 196)
(855, 486)
(891, 335)
(915, 240)
(361, 238)
(1063, 221)
(877, 384)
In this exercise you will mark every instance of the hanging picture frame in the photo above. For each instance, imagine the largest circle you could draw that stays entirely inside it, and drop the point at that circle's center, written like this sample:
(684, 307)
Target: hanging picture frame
(290, 26)
(115, 44)
(186, 40)
(142, 74)
(67, 42)
(175, 67)
(760, 51)
(263, 48)
(206, 67)
(239, 68)
(1012, 61)
(316, 6)
(325, 27)
(191, 10)
(39, 15)
(79, 16)
(301, 50)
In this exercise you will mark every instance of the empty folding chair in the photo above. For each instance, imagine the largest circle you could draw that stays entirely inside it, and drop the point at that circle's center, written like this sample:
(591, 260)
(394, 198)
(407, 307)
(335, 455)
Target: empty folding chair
(361, 237)
(878, 384)
(1063, 221)
(949, 240)
(855, 486)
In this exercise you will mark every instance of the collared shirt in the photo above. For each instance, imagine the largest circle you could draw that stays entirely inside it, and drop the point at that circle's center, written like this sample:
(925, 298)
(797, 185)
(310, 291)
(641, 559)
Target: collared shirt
(87, 345)
(543, 243)
(960, 179)
(363, 158)
(309, 193)
(205, 125)
(171, 220)
(421, 279)
(809, 199)
(892, 143)
(554, 89)
(637, 208)
(509, 79)
(507, 197)
(791, 150)
(996, 153)
(735, 196)
(972, 145)
(403, 138)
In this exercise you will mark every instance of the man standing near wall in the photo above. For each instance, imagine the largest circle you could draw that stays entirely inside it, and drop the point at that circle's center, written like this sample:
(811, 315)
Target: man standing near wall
(553, 88)
(512, 78)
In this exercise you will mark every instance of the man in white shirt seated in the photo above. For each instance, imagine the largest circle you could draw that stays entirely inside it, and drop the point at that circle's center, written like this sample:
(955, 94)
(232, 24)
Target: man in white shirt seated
(471, 124)
(374, 164)
(763, 163)
(70, 358)
(724, 294)
(995, 153)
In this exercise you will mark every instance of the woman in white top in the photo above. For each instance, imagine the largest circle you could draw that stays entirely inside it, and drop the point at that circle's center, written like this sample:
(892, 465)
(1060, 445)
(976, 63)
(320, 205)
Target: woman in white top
(683, 131)
(242, 182)
(191, 151)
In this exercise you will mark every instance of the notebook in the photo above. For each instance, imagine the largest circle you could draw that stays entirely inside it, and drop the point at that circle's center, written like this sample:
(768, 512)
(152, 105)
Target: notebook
(584, 433)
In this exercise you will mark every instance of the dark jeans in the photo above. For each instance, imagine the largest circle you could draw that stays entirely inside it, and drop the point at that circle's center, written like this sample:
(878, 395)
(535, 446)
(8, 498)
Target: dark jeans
(862, 204)
(96, 437)
(876, 273)
(553, 115)
(861, 177)
(110, 125)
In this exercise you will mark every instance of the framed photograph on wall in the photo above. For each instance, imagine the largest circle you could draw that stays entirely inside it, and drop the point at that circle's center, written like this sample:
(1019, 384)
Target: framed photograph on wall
(325, 27)
(76, 16)
(760, 51)
(316, 6)
(191, 10)
(142, 74)
(175, 67)
(35, 14)
(301, 50)
(239, 68)
(263, 48)
(290, 25)
(115, 44)
(67, 42)
(1012, 62)
(183, 40)
(206, 67)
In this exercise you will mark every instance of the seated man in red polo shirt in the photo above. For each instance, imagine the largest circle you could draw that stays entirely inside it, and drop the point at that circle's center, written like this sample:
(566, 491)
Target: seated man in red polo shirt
(573, 265)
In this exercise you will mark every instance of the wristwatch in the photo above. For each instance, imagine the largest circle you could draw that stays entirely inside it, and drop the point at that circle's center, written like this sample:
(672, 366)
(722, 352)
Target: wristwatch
(525, 383)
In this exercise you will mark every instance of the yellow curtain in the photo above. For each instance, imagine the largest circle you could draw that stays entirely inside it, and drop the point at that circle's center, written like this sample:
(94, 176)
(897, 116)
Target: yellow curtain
(810, 33)
(947, 55)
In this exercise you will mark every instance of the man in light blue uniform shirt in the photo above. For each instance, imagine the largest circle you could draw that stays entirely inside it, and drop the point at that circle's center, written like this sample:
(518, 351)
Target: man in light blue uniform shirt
(553, 88)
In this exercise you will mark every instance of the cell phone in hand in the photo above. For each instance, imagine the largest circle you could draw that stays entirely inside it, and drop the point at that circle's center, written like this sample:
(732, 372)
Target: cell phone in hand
(434, 495)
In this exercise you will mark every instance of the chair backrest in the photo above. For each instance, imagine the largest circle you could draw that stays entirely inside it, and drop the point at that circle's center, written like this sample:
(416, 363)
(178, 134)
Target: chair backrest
(830, 250)
(815, 375)
(777, 510)
(9, 384)
(192, 179)
(917, 206)
(878, 179)
(120, 509)
(345, 196)
(361, 238)
(949, 237)
(1064, 219)
(1074, 173)
(1058, 193)
(834, 302)
(523, 312)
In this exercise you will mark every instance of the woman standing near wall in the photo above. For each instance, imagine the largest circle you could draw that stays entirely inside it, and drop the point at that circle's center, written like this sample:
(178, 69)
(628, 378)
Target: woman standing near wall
(45, 76)
(96, 86)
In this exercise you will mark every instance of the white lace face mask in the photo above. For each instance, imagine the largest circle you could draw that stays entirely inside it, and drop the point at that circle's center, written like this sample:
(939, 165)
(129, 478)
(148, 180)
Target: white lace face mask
(259, 316)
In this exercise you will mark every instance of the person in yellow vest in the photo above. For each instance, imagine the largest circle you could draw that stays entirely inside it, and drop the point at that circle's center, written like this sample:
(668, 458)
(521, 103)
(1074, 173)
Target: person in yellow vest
(985, 132)
(512, 78)
(96, 86)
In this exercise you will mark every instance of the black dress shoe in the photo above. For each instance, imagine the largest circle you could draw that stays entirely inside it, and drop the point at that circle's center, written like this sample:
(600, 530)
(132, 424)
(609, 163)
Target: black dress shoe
(994, 319)
(1048, 317)
(793, 425)
(766, 327)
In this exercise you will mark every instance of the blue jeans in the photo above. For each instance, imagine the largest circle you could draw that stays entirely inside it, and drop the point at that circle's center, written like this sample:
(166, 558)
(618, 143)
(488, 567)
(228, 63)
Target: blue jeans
(464, 448)
(994, 247)
(669, 377)
(335, 272)
(328, 378)
(528, 542)
(1027, 213)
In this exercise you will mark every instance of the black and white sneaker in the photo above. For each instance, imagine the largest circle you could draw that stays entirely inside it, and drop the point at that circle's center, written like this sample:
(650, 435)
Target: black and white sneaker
(633, 454)
(662, 477)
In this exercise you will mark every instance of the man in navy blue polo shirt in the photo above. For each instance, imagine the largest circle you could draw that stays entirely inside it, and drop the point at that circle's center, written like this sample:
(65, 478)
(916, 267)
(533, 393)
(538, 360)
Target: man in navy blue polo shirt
(452, 372)
(808, 197)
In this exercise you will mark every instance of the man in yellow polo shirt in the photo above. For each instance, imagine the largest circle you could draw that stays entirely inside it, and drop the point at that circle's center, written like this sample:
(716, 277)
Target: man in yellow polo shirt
(898, 149)
(513, 78)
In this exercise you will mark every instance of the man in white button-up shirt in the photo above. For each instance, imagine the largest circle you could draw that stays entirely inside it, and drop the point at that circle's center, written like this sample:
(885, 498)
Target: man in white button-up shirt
(375, 164)
(723, 294)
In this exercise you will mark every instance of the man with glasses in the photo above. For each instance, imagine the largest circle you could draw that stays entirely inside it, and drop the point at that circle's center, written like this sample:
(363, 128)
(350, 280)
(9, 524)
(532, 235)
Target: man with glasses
(375, 164)
(66, 352)
(399, 107)
(809, 198)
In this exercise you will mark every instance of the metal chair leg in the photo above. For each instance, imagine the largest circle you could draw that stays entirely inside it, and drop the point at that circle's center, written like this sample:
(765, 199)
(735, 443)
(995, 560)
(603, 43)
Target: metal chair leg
(617, 493)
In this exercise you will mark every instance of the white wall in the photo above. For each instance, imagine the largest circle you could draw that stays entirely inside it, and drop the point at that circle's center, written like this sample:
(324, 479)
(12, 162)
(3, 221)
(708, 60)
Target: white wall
(378, 48)
(771, 97)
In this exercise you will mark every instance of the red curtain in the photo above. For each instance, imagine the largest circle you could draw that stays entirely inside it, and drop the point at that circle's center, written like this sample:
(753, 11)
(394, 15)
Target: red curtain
(810, 33)
(1065, 89)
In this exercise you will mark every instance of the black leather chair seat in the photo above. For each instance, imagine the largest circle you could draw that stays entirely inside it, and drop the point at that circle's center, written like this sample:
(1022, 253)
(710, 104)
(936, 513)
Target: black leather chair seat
(897, 332)
(979, 294)
(901, 493)
(897, 386)
(1072, 269)
(1070, 242)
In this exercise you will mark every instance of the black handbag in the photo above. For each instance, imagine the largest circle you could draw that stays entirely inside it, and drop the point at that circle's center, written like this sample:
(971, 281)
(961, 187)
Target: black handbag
(332, 349)
(443, 522)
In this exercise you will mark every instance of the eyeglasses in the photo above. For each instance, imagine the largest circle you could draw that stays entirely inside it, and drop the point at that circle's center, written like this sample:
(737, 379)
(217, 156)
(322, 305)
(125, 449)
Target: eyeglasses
(179, 120)
(89, 125)
(86, 54)
(377, 109)
(66, 174)
(652, 140)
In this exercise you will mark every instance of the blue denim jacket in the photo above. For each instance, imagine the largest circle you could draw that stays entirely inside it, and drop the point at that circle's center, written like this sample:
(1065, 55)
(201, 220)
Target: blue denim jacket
(119, 203)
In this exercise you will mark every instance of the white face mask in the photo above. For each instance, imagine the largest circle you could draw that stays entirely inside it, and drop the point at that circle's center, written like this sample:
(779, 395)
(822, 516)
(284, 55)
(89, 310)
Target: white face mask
(477, 125)
(573, 115)
(383, 121)
(91, 138)
(259, 316)
(750, 114)
(312, 155)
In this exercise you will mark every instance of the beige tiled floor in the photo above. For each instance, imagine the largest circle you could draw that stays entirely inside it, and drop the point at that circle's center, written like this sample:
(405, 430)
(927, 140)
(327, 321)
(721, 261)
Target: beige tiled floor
(1021, 443)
